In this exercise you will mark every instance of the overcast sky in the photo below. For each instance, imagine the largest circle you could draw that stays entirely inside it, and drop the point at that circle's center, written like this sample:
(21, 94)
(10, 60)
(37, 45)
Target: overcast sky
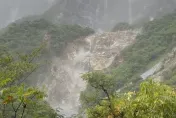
(11, 10)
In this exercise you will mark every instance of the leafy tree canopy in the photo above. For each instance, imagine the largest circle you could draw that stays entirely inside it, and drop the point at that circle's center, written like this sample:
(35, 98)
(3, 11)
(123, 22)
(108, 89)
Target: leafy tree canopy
(153, 100)
(18, 99)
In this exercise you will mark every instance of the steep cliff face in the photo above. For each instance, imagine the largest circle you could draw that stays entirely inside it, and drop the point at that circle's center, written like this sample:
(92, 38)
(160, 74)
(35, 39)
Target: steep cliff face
(149, 9)
(105, 13)
(164, 70)
(93, 13)
(95, 52)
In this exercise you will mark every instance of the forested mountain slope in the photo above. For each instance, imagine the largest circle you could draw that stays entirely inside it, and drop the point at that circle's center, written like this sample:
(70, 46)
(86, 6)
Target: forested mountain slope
(42, 40)
(116, 62)
(105, 95)
(156, 39)
(27, 35)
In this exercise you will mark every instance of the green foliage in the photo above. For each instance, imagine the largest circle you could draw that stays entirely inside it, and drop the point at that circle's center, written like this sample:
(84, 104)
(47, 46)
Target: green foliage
(102, 94)
(22, 37)
(98, 80)
(16, 98)
(153, 100)
(122, 26)
(102, 110)
(63, 34)
(99, 85)
(170, 76)
(90, 97)
(156, 39)
(27, 35)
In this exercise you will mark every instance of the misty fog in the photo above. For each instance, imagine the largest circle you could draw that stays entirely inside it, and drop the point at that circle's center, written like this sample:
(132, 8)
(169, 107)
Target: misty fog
(93, 13)
(119, 40)
(11, 10)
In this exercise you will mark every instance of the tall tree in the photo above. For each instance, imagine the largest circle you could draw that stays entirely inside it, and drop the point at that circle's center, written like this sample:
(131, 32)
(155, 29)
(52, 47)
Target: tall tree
(17, 99)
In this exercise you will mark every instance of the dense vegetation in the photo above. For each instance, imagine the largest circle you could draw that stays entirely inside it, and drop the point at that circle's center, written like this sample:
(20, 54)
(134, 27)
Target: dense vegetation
(155, 40)
(153, 100)
(27, 35)
(102, 98)
(24, 36)
(122, 26)
(18, 99)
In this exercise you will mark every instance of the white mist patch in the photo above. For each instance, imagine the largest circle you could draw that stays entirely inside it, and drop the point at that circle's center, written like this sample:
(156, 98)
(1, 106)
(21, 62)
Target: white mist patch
(51, 2)
(95, 52)
(67, 83)
(13, 15)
